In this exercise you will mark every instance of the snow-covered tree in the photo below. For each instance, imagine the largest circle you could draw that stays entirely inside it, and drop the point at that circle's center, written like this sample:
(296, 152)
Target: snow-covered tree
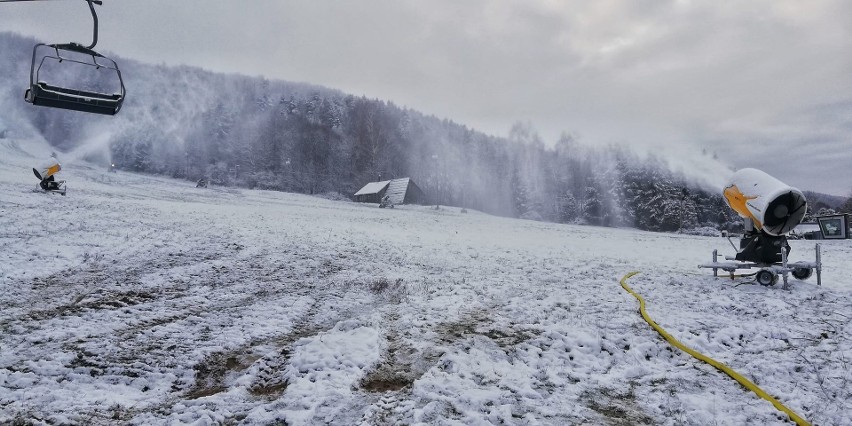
(847, 206)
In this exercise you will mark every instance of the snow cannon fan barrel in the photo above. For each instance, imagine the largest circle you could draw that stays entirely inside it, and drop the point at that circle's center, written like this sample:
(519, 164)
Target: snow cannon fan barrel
(47, 168)
(771, 205)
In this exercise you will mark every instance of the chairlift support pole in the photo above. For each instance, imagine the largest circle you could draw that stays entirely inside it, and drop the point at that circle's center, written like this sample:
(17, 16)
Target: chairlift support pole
(91, 3)
(95, 19)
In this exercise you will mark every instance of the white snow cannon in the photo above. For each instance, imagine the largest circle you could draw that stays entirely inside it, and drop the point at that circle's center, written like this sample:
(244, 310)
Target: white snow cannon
(771, 205)
(770, 210)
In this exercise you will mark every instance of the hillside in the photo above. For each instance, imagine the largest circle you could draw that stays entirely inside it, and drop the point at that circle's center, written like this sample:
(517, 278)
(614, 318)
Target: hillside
(818, 201)
(251, 132)
(139, 299)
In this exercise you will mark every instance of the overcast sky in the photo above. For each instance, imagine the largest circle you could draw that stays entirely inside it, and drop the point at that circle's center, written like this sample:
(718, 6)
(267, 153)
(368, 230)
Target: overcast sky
(763, 83)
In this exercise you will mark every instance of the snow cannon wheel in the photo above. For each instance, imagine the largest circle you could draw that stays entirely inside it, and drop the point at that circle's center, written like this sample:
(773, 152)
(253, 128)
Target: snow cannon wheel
(802, 273)
(765, 277)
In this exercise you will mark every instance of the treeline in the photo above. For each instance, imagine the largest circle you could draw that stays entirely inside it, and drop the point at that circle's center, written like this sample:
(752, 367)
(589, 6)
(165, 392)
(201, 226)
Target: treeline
(255, 133)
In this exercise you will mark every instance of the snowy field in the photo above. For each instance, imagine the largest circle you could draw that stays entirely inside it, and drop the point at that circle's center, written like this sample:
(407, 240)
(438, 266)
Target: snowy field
(143, 300)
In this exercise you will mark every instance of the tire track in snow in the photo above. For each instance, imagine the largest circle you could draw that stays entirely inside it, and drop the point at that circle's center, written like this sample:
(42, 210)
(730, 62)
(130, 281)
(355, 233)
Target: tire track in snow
(264, 360)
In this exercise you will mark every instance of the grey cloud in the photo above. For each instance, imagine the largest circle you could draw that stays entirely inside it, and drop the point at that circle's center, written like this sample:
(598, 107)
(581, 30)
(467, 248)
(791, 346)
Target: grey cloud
(708, 74)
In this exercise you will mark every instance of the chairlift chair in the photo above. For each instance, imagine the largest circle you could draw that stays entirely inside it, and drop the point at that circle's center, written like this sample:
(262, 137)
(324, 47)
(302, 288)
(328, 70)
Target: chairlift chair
(42, 93)
(45, 94)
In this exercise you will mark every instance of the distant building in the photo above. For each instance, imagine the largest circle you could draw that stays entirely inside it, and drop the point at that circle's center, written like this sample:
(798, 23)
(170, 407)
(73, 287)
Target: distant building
(400, 191)
(834, 227)
(808, 231)
(826, 227)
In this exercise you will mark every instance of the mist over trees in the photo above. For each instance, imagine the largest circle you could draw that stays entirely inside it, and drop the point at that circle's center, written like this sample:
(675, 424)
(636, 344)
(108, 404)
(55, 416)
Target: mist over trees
(251, 132)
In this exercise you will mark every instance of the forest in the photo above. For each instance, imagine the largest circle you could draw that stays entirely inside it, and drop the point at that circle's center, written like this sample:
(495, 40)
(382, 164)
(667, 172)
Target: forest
(252, 132)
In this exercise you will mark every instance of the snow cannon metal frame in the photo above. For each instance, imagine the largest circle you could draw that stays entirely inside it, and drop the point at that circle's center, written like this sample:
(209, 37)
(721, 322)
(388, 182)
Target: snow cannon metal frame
(770, 210)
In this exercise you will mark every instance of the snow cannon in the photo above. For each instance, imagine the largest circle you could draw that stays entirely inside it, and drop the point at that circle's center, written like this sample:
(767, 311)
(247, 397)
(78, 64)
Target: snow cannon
(770, 210)
(46, 174)
(47, 168)
(771, 205)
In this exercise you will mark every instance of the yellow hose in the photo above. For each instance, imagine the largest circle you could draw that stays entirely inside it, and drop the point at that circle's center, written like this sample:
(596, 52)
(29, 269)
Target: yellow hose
(701, 357)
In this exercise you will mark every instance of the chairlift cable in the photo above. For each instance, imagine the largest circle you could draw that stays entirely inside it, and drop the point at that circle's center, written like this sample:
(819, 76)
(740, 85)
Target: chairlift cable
(97, 2)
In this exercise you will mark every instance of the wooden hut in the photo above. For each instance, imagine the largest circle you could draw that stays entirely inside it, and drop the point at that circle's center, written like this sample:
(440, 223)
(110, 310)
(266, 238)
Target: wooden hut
(400, 191)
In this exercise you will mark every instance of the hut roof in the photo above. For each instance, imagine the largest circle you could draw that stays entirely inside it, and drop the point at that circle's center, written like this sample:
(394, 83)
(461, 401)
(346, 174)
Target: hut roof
(373, 187)
(397, 190)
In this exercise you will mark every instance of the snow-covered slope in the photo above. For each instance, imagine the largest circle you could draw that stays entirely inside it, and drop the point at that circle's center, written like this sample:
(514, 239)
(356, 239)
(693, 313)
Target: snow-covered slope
(138, 299)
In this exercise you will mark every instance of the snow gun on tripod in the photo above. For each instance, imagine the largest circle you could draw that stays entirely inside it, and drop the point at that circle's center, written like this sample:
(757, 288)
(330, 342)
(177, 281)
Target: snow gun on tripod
(46, 173)
(770, 210)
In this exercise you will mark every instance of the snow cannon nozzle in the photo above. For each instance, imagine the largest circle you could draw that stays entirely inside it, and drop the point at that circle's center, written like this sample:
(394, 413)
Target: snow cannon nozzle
(771, 205)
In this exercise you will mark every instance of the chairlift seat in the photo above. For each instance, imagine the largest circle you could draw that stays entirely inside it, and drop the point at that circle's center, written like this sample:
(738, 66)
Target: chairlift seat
(44, 94)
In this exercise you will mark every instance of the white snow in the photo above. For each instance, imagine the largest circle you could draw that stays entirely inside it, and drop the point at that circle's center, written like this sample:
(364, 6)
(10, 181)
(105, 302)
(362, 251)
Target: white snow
(144, 300)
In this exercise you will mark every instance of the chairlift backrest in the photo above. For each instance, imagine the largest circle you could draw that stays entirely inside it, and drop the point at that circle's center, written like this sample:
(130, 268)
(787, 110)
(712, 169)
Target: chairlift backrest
(43, 93)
